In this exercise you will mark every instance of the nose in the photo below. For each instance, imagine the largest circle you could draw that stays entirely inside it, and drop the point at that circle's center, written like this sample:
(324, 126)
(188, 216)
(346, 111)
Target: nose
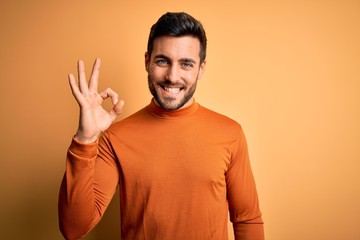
(173, 73)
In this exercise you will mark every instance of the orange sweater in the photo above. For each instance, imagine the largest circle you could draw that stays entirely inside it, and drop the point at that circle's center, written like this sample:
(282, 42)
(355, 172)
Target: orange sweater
(179, 174)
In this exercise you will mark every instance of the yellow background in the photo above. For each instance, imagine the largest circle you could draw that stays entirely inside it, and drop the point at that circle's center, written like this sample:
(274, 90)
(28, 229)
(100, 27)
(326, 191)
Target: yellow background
(288, 71)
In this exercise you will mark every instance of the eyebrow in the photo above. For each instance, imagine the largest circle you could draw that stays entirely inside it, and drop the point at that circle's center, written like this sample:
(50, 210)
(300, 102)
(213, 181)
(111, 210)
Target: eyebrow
(187, 60)
(161, 56)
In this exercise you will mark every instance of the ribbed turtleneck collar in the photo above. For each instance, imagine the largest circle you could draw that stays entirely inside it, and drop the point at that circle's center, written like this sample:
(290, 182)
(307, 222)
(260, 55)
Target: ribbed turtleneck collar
(171, 114)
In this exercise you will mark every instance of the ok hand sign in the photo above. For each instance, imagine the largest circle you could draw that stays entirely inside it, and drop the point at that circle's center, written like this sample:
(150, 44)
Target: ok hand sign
(94, 119)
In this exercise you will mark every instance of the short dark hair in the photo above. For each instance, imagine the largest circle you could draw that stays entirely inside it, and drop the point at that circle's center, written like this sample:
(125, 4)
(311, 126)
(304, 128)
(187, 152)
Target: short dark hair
(178, 24)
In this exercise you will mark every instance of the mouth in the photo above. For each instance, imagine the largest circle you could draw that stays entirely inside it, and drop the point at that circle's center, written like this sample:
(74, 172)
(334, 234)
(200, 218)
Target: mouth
(173, 90)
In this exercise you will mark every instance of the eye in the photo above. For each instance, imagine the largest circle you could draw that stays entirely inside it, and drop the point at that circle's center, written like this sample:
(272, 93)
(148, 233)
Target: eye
(162, 62)
(187, 64)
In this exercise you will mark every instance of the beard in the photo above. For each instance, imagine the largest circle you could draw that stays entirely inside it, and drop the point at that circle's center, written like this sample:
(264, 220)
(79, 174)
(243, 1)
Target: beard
(171, 103)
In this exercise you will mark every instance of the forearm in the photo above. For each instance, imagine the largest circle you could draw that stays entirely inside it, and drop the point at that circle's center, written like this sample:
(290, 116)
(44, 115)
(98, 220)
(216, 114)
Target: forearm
(89, 184)
(249, 230)
(77, 204)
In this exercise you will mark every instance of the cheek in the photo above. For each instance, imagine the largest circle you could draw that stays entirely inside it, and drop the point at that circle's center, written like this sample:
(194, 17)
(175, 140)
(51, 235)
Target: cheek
(156, 72)
(191, 77)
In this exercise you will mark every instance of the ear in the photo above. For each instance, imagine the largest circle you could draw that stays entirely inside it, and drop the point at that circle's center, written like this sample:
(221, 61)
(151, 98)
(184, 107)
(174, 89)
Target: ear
(147, 61)
(201, 69)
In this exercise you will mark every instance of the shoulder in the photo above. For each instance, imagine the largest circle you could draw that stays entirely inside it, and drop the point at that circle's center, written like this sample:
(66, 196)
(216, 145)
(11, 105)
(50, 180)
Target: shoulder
(220, 121)
(131, 121)
(217, 117)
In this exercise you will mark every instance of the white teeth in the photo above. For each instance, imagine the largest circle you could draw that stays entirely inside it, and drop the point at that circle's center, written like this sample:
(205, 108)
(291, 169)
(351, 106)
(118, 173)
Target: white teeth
(172, 90)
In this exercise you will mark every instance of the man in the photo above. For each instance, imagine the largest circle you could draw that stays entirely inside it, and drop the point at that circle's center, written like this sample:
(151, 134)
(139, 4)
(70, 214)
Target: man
(180, 167)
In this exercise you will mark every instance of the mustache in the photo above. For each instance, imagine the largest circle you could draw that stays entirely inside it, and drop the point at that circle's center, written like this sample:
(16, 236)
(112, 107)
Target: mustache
(168, 83)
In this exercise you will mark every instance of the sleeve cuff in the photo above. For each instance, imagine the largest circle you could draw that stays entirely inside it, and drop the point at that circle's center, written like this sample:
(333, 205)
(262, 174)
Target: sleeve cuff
(84, 150)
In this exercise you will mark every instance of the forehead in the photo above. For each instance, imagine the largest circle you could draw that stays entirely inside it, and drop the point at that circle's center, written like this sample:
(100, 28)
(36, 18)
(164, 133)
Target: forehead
(177, 47)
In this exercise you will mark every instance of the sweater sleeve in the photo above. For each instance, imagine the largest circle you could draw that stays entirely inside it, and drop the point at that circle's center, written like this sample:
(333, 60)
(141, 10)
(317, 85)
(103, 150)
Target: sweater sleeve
(87, 187)
(242, 195)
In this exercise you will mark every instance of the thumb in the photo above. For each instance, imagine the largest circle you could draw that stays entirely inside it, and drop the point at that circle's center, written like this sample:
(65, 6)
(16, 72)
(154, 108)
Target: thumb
(117, 109)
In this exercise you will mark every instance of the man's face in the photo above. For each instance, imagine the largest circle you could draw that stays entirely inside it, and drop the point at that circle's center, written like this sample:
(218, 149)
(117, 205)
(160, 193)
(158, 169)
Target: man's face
(173, 70)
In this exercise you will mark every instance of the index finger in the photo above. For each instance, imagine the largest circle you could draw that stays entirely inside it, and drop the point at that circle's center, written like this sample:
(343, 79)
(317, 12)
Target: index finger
(94, 79)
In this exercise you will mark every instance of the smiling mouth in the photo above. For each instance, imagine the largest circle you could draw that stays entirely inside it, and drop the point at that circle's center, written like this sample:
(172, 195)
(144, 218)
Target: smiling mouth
(173, 90)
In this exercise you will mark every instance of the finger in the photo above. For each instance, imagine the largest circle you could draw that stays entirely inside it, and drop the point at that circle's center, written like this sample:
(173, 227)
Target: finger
(75, 89)
(82, 78)
(118, 105)
(109, 93)
(117, 109)
(94, 79)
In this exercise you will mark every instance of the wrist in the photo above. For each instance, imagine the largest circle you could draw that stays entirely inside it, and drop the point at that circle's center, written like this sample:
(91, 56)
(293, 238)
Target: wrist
(85, 140)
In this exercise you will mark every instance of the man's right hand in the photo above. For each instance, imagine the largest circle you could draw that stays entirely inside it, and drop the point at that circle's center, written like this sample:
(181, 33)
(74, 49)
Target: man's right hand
(94, 119)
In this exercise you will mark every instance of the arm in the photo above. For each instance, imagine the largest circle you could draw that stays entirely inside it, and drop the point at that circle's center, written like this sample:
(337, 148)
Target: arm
(91, 173)
(87, 188)
(242, 195)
